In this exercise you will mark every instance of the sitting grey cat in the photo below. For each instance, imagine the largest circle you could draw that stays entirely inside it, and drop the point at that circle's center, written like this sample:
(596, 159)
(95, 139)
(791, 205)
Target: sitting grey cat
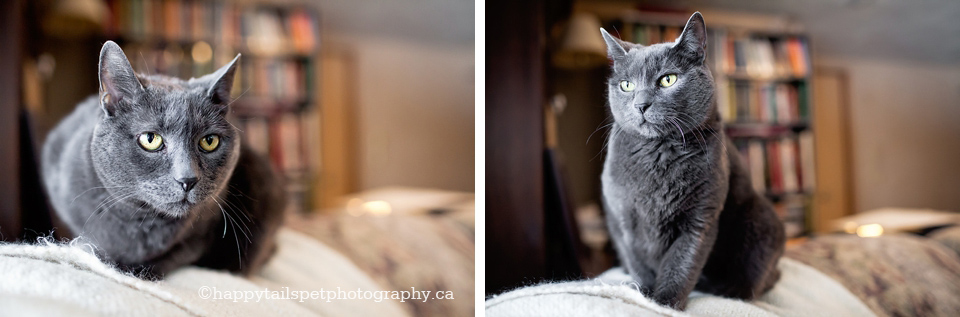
(152, 173)
(681, 211)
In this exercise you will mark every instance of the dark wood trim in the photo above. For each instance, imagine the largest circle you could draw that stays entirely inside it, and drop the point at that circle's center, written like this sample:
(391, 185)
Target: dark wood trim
(515, 235)
(11, 44)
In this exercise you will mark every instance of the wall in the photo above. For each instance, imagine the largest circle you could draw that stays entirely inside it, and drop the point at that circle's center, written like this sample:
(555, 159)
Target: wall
(415, 118)
(905, 132)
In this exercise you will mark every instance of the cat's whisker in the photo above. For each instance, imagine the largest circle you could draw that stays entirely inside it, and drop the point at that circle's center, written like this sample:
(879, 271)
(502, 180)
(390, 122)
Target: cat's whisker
(234, 226)
(601, 127)
(224, 218)
(236, 223)
(143, 218)
(238, 210)
(238, 96)
(682, 136)
(231, 102)
(84, 226)
(616, 130)
(149, 72)
(104, 201)
(237, 241)
(717, 136)
(692, 130)
(606, 137)
(241, 212)
(97, 187)
(116, 202)
(246, 233)
(109, 197)
(199, 219)
(702, 140)
(597, 130)
(235, 127)
(241, 194)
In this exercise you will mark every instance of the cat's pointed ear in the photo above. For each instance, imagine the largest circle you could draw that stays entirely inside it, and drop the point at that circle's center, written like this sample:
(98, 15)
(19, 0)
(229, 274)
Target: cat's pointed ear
(615, 47)
(222, 83)
(118, 82)
(693, 40)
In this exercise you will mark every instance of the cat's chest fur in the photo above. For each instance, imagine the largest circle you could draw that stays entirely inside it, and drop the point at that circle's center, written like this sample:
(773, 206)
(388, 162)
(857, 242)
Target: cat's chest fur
(649, 185)
(132, 233)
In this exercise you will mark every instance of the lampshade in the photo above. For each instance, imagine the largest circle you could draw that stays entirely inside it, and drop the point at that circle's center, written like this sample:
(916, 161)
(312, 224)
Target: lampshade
(75, 18)
(582, 45)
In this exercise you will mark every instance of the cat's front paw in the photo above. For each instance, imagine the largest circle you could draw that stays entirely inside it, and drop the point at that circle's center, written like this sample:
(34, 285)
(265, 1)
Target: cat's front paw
(670, 300)
(646, 291)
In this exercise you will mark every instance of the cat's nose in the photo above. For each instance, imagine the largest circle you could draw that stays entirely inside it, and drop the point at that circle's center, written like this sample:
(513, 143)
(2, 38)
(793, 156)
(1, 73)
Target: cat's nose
(643, 106)
(187, 183)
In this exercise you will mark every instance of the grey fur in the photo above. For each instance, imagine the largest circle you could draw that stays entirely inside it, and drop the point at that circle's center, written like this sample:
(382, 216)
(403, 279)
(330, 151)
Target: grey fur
(680, 208)
(132, 204)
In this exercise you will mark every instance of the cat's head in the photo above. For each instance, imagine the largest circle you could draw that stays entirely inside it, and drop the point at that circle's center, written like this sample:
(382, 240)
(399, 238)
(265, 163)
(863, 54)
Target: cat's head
(161, 141)
(654, 90)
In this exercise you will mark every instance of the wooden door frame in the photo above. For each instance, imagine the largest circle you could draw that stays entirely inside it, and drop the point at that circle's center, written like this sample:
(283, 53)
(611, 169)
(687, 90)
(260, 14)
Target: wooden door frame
(515, 234)
(11, 40)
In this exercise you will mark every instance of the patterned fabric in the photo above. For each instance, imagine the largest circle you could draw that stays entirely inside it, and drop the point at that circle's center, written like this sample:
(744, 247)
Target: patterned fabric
(895, 275)
(428, 252)
(949, 237)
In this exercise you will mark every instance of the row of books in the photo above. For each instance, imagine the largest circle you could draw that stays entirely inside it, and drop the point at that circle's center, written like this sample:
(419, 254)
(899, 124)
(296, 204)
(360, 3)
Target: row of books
(175, 59)
(760, 56)
(780, 165)
(265, 30)
(279, 137)
(756, 56)
(771, 102)
(285, 82)
(792, 209)
(277, 83)
(652, 34)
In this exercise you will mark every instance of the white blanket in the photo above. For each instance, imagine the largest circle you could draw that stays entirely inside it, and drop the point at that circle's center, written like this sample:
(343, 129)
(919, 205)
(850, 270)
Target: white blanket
(60, 279)
(801, 291)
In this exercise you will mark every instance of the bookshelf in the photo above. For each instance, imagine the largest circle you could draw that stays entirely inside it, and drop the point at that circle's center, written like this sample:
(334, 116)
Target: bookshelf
(275, 97)
(763, 80)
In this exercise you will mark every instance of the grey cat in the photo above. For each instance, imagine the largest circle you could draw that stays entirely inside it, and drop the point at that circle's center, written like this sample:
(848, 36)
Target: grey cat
(681, 211)
(151, 172)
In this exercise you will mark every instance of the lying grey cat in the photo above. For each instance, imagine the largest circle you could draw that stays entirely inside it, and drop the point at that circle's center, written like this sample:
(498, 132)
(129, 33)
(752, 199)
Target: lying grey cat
(681, 211)
(152, 174)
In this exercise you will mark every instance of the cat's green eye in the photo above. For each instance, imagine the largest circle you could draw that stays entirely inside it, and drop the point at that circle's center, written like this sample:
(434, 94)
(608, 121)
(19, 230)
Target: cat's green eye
(210, 143)
(668, 80)
(627, 86)
(150, 141)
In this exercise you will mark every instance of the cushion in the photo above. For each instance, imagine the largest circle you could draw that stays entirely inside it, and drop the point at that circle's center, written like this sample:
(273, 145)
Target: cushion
(66, 277)
(801, 291)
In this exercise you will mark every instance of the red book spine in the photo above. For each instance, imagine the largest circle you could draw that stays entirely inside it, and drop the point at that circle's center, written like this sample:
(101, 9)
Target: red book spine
(773, 163)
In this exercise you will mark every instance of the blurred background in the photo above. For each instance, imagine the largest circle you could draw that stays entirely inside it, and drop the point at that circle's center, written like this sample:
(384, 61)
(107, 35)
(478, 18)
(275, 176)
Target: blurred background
(846, 111)
(365, 107)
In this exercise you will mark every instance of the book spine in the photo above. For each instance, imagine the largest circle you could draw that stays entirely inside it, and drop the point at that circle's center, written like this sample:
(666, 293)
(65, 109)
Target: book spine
(758, 172)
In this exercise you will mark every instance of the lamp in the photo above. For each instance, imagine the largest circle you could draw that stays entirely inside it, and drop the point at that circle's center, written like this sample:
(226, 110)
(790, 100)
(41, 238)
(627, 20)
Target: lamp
(75, 18)
(582, 46)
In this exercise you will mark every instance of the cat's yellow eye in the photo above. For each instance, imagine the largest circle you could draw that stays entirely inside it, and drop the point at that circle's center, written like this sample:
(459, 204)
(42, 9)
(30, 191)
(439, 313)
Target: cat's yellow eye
(210, 143)
(150, 141)
(668, 80)
(627, 86)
